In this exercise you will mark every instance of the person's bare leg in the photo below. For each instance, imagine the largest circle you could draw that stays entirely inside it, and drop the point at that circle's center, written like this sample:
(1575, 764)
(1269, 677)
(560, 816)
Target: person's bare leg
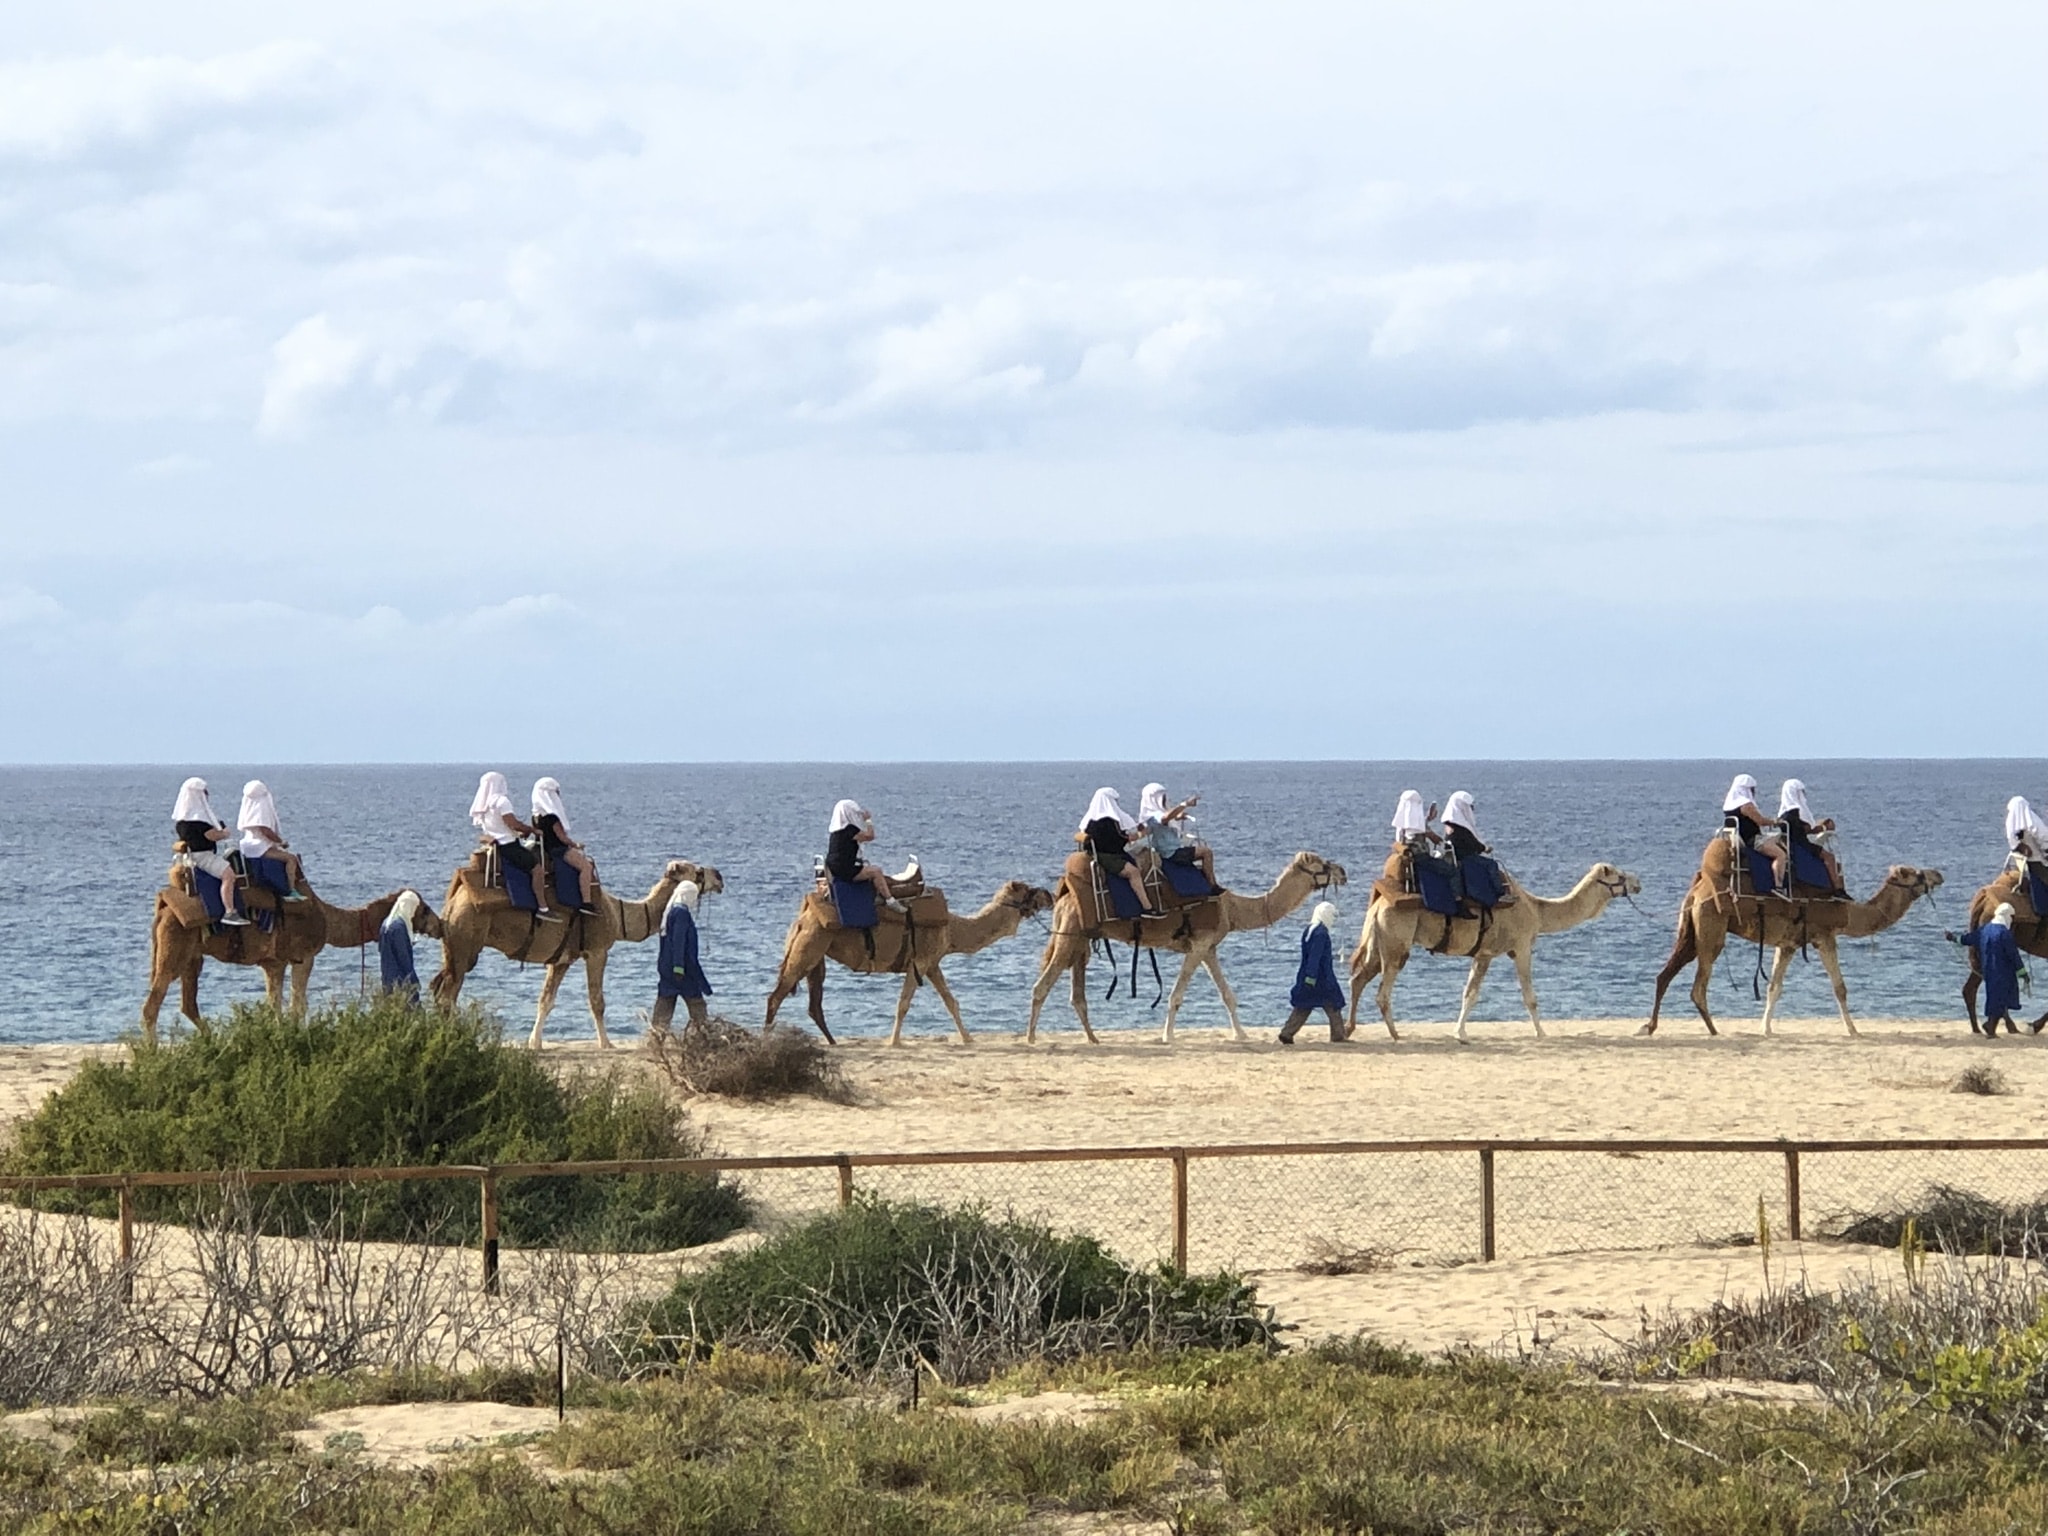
(1137, 884)
(586, 874)
(1207, 859)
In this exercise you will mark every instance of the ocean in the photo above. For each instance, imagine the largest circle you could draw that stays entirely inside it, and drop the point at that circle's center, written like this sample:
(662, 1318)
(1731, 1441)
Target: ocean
(88, 846)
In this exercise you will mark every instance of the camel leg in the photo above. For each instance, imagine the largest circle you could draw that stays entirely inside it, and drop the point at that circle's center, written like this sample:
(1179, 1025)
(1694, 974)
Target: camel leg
(548, 988)
(188, 989)
(1212, 962)
(1078, 996)
(1365, 965)
(593, 982)
(814, 1000)
(802, 954)
(273, 984)
(903, 1003)
(1828, 958)
(937, 978)
(302, 977)
(1709, 951)
(1472, 981)
(1684, 950)
(1781, 962)
(1391, 963)
(1188, 966)
(1061, 954)
(1525, 969)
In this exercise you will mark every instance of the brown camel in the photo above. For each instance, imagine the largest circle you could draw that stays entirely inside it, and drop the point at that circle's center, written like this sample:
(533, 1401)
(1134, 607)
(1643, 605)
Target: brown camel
(1194, 933)
(911, 942)
(1395, 926)
(476, 917)
(2029, 931)
(1710, 913)
(181, 939)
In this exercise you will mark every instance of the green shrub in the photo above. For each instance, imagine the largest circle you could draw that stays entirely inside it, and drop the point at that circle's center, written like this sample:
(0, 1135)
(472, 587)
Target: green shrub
(881, 1286)
(378, 1084)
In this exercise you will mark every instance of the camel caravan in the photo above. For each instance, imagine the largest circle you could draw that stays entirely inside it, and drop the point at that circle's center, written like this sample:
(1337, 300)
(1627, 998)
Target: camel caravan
(531, 892)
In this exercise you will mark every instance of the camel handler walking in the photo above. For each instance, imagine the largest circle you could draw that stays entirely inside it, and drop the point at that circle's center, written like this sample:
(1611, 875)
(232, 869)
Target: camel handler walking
(1998, 957)
(394, 949)
(1315, 983)
(678, 972)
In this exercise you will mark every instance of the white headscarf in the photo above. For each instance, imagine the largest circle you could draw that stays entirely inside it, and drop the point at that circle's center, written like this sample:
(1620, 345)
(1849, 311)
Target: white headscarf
(1792, 797)
(1458, 812)
(1152, 803)
(258, 809)
(547, 801)
(407, 907)
(1107, 803)
(847, 813)
(685, 896)
(1740, 793)
(491, 786)
(193, 804)
(2021, 822)
(1324, 916)
(2004, 915)
(1410, 819)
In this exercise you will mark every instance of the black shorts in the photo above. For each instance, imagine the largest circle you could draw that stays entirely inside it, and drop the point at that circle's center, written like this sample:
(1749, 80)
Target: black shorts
(1112, 863)
(1182, 855)
(519, 856)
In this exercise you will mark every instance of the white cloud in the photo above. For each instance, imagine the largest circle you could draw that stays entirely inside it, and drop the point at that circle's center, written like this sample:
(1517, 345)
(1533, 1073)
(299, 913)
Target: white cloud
(2000, 332)
(55, 108)
(23, 606)
(170, 466)
(311, 364)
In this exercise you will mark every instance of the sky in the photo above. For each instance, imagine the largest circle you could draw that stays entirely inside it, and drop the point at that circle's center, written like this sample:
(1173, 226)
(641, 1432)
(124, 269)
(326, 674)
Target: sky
(605, 381)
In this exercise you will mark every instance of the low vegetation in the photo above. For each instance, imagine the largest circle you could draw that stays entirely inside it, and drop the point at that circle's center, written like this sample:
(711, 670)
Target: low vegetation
(1985, 1081)
(378, 1084)
(732, 1061)
(1954, 1221)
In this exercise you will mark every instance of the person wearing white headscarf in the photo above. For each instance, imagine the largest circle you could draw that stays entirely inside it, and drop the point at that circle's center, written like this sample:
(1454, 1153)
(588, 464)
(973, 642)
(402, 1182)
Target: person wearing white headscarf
(851, 828)
(1164, 829)
(202, 833)
(551, 820)
(2025, 833)
(1995, 954)
(394, 947)
(1479, 877)
(490, 812)
(262, 841)
(1411, 821)
(1108, 831)
(1315, 979)
(1795, 815)
(678, 971)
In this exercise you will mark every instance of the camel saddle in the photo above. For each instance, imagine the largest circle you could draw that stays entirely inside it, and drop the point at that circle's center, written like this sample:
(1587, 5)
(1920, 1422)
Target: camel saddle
(1396, 889)
(895, 927)
(487, 884)
(185, 905)
(1185, 915)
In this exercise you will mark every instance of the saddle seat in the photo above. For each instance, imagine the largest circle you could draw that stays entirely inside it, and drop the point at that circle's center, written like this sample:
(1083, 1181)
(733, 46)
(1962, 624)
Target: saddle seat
(492, 882)
(1186, 916)
(889, 941)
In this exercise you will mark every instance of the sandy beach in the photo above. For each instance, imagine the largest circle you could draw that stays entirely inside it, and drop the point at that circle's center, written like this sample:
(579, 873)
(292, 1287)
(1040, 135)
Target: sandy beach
(1586, 1241)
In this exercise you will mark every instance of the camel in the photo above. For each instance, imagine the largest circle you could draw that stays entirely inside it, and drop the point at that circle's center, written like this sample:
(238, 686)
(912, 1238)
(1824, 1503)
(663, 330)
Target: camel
(475, 918)
(181, 939)
(2029, 930)
(1710, 913)
(1395, 928)
(913, 948)
(1195, 933)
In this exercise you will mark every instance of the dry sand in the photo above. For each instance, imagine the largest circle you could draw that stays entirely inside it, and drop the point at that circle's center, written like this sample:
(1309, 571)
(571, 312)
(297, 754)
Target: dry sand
(1587, 1241)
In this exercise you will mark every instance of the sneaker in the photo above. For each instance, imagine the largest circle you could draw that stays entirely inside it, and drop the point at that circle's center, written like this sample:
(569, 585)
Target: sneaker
(234, 920)
(547, 915)
(586, 910)
(294, 895)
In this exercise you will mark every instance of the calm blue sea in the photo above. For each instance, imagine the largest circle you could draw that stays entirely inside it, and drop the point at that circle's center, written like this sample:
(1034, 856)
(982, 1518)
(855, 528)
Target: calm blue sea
(86, 848)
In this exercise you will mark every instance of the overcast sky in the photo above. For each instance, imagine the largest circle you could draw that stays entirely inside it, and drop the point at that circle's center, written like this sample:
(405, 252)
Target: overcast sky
(606, 381)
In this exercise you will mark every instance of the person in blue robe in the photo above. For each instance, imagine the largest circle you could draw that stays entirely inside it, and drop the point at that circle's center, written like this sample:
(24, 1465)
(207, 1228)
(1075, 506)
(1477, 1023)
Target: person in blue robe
(678, 972)
(394, 947)
(1315, 982)
(1998, 959)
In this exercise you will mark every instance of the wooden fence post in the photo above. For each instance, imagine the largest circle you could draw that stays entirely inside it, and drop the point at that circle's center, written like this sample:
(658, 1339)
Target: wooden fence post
(845, 1181)
(1180, 1209)
(127, 1241)
(490, 1224)
(1792, 1192)
(1486, 1203)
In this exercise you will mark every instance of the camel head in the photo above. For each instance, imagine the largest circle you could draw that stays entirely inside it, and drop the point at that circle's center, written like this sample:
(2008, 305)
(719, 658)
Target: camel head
(1916, 882)
(1617, 883)
(425, 921)
(709, 881)
(1029, 900)
(1324, 874)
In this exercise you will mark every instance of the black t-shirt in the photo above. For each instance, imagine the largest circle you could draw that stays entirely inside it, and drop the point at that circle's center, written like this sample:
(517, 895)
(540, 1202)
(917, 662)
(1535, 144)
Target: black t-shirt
(1105, 834)
(842, 855)
(1743, 825)
(1464, 842)
(551, 833)
(193, 834)
(1796, 828)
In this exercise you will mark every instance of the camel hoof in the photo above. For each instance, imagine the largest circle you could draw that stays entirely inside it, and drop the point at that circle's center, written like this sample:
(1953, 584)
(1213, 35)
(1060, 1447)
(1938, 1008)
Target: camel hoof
(1647, 1029)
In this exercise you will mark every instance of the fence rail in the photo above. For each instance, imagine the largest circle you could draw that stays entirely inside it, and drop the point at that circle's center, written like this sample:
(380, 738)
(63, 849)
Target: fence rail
(1493, 1157)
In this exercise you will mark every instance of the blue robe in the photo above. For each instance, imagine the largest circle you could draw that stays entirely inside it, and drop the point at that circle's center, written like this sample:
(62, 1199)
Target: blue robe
(394, 956)
(1315, 984)
(1998, 957)
(678, 973)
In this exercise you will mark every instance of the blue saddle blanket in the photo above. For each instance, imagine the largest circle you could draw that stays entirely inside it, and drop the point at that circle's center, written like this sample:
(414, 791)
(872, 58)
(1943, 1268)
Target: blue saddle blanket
(1762, 878)
(1186, 879)
(1437, 882)
(519, 886)
(273, 875)
(855, 902)
(1808, 868)
(2037, 890)
(568, 888)
(1481, 879)
(1123, 901)
(207, 888)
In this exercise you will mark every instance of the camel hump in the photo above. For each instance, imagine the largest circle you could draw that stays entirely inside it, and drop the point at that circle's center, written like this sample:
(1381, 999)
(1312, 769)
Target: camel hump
(188, 910)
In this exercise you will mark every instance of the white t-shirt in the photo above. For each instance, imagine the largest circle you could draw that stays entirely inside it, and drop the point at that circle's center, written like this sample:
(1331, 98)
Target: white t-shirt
(495, 825)
(256, 846)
